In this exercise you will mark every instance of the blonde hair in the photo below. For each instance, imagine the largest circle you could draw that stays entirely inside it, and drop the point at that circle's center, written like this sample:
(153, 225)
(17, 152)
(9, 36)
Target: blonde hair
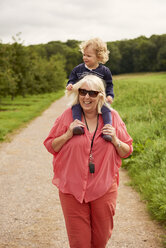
(100, 48)
(95, 83)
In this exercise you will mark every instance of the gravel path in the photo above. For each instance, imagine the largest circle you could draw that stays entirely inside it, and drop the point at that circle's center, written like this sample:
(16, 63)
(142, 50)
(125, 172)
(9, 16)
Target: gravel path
(30, 212)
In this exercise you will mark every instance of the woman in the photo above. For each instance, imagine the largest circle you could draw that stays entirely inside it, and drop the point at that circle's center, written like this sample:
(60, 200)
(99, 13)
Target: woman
(86, 167)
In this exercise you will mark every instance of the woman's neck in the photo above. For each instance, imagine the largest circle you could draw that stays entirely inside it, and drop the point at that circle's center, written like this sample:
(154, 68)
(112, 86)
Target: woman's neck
(91, 121)
(90, 115)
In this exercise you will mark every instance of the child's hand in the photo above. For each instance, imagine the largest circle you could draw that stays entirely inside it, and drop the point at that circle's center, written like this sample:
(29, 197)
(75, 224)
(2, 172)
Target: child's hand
(69, 87)
(109, 99)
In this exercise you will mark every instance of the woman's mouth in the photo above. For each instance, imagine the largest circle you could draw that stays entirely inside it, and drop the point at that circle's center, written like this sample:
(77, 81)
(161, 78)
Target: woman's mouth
(87, 102)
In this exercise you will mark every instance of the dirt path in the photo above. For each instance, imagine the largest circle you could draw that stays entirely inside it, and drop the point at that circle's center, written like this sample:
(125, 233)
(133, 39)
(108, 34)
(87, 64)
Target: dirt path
(30, 212)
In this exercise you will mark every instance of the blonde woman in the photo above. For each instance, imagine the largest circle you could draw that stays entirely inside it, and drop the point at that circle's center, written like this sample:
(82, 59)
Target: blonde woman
(86, 168)
(95, 54)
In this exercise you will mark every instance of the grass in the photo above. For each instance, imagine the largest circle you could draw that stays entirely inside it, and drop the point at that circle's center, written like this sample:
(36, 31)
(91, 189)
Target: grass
(141, 102)
(15, 114)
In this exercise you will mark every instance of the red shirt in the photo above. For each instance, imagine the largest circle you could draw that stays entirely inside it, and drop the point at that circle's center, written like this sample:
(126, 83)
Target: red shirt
(70, 164)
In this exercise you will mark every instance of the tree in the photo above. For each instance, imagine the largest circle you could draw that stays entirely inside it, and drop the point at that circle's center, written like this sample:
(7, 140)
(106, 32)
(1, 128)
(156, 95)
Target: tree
(57, 75)
(73, 58)
(55, 47)
(161, 59)
(8, 79)
(72, 43)
(144, 55)
(161, 53)
(20, 65)
(114, 57)
(126, 51)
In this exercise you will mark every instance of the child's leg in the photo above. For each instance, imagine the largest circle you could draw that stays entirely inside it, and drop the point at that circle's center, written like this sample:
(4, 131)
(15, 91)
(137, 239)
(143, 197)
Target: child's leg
(77, 112)
(107, 119)
(106, 115)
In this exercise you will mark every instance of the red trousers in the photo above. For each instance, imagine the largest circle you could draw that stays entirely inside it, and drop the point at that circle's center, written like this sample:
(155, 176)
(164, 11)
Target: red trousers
(89, 225)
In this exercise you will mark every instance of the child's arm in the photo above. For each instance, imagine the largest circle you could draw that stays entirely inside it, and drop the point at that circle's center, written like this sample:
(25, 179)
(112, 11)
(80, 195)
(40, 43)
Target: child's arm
(69, 87)
(109, 85)
(72, 80)
(109, 99)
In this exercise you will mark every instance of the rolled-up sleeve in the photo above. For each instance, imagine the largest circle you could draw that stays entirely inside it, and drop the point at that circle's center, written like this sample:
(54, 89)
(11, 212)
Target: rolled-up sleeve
(121, 132)
(125, 137)
(57, 130)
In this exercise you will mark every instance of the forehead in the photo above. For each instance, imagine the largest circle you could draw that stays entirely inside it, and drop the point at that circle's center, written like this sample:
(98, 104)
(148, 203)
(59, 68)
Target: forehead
(89, 86)
(89, 49)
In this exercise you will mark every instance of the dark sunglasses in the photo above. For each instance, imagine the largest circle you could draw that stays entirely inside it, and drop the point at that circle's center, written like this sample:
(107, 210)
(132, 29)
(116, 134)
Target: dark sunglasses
(91, 93)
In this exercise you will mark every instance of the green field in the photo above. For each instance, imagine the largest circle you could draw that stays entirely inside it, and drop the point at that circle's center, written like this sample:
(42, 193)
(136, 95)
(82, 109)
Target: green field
(141, 101)
(15, 114)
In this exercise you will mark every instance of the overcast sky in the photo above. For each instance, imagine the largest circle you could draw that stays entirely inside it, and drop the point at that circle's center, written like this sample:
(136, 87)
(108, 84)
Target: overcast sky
(41, 21)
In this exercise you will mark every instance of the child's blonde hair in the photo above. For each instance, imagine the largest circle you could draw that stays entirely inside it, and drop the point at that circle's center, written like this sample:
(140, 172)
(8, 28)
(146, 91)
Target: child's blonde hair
(100, 48)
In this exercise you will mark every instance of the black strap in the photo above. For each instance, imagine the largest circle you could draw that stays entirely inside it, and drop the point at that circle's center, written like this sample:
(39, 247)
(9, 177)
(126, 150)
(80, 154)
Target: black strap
(94, 132)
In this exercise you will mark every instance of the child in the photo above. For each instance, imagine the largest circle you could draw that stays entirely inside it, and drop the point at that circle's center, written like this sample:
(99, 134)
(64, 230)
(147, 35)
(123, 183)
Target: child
(95, 54)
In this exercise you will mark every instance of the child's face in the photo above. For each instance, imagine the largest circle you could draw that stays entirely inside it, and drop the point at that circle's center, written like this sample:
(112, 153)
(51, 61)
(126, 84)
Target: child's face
(90, 58)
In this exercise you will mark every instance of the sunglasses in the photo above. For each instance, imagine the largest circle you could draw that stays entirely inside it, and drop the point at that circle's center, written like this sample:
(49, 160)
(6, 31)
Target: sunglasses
(91, 93)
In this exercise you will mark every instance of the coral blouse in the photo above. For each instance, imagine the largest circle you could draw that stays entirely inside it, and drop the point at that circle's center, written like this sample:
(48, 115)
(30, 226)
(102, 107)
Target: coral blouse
(71, 163)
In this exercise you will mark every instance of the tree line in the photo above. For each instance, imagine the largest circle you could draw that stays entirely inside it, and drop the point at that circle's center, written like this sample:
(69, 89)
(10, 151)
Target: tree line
(42, 68)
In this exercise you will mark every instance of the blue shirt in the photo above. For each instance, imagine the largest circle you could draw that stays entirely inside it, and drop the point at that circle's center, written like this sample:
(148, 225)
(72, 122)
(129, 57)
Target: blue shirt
(101, 71)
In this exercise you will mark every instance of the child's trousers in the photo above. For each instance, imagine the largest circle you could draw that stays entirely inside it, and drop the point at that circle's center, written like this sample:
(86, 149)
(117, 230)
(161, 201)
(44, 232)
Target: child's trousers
(89, 225)
(106, 113)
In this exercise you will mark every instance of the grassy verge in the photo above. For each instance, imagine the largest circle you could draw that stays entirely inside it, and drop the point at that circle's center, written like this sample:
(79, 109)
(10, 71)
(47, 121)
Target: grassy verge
(14, 114)
(141, 102)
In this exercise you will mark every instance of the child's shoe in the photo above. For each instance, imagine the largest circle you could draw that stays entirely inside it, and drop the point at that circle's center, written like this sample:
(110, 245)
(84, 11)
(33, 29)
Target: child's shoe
(78, 130)
(107, 137)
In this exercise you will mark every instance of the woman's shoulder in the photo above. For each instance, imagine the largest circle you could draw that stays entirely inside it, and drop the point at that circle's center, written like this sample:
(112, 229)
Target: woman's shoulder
(114, 112)
(115, 115)
(66, 116)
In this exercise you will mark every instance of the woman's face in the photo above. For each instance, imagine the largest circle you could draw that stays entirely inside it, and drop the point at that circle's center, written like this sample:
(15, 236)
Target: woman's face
(87, 102)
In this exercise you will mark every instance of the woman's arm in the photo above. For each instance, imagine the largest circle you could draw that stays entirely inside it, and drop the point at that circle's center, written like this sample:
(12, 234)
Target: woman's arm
(122, 148)
(58, 142)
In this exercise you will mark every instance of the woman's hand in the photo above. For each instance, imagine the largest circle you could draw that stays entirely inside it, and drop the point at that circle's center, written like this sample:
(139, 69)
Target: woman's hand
(74, 124)
(121, 147)
(110, 130)
(61, 140)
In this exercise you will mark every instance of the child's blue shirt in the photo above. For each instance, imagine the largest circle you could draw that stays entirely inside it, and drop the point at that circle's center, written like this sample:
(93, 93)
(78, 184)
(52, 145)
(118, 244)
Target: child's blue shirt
(101, 71)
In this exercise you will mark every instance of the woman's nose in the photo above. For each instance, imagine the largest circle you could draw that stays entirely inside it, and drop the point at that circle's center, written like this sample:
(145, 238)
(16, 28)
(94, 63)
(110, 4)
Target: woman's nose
(87, 95)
